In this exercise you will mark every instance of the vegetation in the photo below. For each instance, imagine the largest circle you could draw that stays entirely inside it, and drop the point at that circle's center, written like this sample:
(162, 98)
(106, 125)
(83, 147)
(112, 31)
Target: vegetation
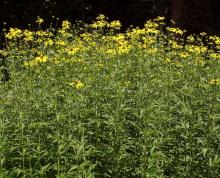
(89, 101)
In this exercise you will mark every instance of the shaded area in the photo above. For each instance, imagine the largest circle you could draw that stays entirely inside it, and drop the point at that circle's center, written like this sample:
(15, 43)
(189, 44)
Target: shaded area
(194, 15)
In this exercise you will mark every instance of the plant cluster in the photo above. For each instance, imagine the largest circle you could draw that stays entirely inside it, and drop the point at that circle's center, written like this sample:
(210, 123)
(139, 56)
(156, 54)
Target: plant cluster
(89, 101)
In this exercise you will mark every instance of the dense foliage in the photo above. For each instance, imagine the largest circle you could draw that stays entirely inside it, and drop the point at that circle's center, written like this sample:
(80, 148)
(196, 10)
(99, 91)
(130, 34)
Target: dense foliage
(88, 101)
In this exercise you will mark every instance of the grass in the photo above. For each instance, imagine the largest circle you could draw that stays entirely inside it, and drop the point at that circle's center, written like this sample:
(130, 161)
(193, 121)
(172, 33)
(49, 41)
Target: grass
(89, 101)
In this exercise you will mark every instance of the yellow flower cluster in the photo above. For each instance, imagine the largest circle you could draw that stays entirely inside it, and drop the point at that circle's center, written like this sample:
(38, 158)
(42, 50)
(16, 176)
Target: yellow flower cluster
(184, 54)
(176, 31)
(100, 23)
(28, 35)
(103, 23)
(13, 33)
(216, 39)
(63, 31)
(115, 24)
(42, 33)
(37, 60)
(102, 38)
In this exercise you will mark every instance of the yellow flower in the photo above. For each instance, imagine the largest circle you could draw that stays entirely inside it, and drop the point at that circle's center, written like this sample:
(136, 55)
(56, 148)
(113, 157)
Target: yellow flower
(152, 51)
(184, 55)
(66, 25)
(160, 18)
(60, 42)
(175, 45)
(3, 52)
(41, 33)
(152, 31)
(49, 42)
(14, 33)
(41, 59)
(86, 36)
(136, 33)
(150, 24)
(194, 49)
(127, 83)
(101, 17)
(111, 52)
(30, 63)
(115, 24)
(215, 39)
(119, 37)
(123, 49)
(72, 51)
(28, 35)
(78, 84)
(37, 60)
(215, 81)
(167, 60)
(190, 39)
(176, 31)
(149, 41)
(203, 49)
(100, 23)
(39, 20)
(203, 33)
(215, 55)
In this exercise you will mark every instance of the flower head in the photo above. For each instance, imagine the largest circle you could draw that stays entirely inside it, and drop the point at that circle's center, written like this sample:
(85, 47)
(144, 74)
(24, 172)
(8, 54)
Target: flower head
(215, 81)
(77, 84)
(39, 20)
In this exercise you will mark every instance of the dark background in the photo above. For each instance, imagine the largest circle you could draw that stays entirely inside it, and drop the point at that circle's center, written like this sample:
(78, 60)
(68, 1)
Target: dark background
(193, 15)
